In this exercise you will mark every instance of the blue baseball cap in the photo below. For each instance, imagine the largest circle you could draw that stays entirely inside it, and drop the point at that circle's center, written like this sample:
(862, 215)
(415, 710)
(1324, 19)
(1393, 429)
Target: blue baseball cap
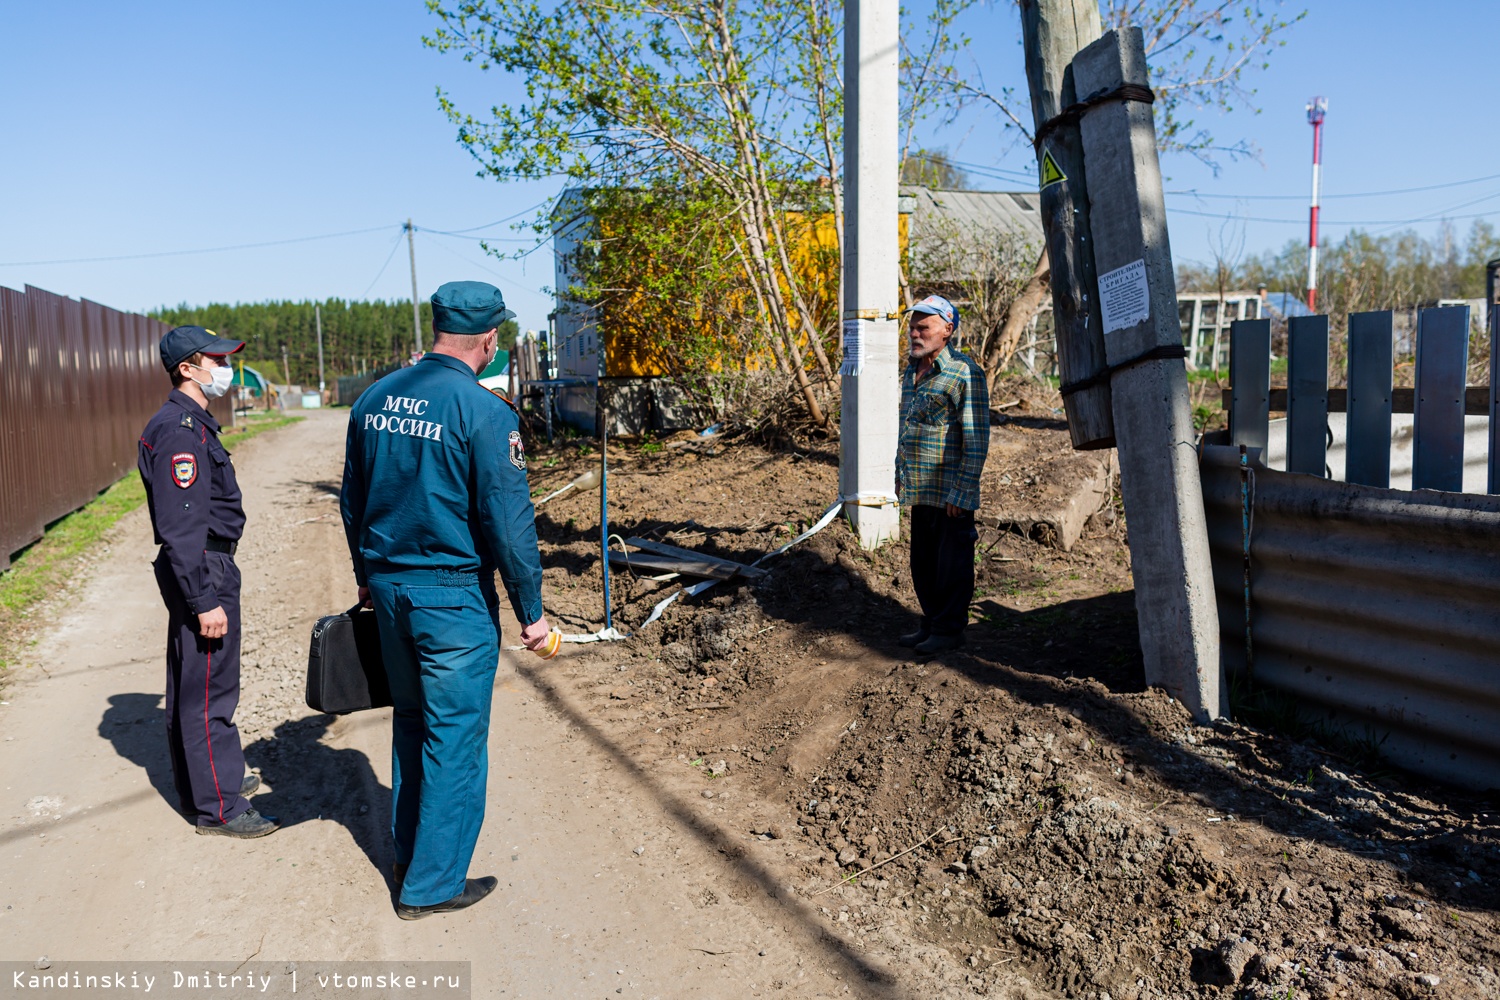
(468, 307)
(182, 342)
(936, 305)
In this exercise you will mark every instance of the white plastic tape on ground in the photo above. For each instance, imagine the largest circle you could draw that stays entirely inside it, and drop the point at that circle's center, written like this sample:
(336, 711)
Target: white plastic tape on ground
(698, 588)
(612, 635)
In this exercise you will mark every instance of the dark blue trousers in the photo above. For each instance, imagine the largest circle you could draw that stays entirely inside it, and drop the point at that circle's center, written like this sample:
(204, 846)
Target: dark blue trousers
(203, 690)
(942, 567)
(440, 638)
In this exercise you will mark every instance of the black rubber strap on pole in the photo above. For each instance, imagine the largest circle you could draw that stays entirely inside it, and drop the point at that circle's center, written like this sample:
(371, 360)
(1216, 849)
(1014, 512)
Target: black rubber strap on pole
(1162, 353)
(1073, 112)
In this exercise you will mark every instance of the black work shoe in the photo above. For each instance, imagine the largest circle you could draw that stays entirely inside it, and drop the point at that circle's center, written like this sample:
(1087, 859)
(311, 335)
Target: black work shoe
(247, 826)
(475, 889)
(398, 872)
(938, 643)
(251, 785)
(911, 639)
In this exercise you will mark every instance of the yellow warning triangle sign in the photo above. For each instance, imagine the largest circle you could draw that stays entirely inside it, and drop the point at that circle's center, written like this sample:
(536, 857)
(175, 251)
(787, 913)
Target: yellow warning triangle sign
(1051, 172)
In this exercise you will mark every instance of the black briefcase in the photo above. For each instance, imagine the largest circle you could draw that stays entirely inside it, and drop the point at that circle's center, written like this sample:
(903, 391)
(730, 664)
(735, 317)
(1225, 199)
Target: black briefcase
(345, 672)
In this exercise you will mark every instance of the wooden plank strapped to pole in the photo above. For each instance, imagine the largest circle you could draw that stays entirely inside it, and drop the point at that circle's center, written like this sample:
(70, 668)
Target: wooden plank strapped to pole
(1174, 588)
(1054, 31)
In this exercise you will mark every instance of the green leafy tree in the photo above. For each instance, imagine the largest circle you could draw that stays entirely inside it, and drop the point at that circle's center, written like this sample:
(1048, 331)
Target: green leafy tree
(673, 297)
(737, 99)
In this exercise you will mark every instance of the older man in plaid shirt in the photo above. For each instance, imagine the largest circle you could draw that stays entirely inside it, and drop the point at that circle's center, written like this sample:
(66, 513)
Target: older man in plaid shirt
(945, 436)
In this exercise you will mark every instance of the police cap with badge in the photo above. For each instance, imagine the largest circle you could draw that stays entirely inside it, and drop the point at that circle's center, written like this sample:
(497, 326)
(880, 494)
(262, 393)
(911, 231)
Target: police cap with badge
(182, 342)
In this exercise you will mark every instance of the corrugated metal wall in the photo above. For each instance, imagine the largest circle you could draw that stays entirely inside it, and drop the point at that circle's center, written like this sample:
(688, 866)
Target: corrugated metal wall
(78, 381)
(1377, 608)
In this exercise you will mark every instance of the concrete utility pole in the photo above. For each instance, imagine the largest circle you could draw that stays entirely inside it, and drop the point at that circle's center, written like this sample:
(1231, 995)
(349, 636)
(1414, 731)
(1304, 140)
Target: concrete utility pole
(1053, 31)
(1174, 587)
(870, 374)
(318, 319)
(416, 305)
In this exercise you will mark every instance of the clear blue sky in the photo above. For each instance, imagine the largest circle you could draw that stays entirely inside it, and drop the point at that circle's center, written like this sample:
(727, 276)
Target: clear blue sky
(141, 128)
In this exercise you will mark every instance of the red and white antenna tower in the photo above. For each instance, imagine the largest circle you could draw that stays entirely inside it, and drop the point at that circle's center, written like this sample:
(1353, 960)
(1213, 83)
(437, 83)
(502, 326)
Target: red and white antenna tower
(1317, 108)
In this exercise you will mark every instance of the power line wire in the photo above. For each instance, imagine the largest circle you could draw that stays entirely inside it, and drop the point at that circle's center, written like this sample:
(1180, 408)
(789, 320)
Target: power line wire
(1325, 221)
(1350, 222)
(497, 274)
(1361, 194)
(497, 222)
(183, 253)
(478, 239)
(395, 245)
(1000, 173)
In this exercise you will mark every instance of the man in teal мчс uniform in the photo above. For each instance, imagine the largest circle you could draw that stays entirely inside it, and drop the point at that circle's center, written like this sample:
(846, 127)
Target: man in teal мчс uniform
(435, 500)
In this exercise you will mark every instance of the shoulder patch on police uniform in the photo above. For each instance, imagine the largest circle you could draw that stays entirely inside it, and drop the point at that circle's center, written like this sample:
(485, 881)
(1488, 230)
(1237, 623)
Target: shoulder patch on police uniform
(185, 467)
(517, 451)
(186, 421)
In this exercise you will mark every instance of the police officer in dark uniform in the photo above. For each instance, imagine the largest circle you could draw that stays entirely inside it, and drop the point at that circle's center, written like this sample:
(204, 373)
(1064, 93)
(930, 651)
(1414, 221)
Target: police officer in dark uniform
(435, 500)
(198, 520)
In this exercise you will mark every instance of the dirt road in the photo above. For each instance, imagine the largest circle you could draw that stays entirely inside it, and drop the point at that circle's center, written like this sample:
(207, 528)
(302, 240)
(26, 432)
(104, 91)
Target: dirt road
(610, 884)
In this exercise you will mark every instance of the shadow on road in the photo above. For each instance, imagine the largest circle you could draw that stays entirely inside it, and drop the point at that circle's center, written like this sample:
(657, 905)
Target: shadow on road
(310, 779)
(136, 725)
(305, 777)
(876, 982)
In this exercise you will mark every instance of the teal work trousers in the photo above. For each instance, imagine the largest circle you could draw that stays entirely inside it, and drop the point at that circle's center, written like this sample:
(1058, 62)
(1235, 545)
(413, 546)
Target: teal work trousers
(440, 637)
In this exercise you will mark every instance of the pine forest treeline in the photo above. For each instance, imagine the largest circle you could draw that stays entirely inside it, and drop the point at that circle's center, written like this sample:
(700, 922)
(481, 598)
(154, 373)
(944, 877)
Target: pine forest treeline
(357, 336)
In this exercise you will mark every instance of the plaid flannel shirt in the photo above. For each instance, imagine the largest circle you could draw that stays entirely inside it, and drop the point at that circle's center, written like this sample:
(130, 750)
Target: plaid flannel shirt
(945, 432)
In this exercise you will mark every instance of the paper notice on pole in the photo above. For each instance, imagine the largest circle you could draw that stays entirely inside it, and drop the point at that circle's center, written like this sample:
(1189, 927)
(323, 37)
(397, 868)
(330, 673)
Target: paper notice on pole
(1124, 297)
(854, 348)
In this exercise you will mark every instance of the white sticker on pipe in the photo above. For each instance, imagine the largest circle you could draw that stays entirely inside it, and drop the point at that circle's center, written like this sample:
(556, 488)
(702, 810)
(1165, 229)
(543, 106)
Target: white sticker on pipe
(1124, 297)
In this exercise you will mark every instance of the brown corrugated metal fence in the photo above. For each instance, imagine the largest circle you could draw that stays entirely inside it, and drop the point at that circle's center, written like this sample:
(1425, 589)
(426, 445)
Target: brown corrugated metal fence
(78, 381)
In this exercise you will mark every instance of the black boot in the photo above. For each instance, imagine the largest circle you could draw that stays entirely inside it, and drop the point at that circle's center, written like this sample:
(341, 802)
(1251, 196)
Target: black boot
(911, 639)
(475, 889)
(938, 644)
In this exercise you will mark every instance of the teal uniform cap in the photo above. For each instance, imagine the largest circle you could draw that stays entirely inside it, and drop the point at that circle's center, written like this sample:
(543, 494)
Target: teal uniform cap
(468, 307)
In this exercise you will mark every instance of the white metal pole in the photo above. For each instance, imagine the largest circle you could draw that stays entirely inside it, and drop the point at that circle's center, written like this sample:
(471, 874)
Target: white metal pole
(870, 374)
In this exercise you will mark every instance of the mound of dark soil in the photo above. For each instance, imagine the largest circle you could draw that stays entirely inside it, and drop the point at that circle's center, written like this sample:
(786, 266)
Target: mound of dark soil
(1022, 817)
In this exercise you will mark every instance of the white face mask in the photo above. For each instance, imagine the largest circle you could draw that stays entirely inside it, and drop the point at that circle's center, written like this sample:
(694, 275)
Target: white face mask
(220, 379)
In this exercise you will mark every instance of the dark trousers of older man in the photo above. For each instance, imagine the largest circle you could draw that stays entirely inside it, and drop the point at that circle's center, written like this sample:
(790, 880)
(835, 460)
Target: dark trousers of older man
(942, 567)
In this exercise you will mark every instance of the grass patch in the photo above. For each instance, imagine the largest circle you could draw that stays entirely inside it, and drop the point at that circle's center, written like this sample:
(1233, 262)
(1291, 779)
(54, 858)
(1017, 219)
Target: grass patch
(1283, 714)
(53, 561)
(255, 423)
